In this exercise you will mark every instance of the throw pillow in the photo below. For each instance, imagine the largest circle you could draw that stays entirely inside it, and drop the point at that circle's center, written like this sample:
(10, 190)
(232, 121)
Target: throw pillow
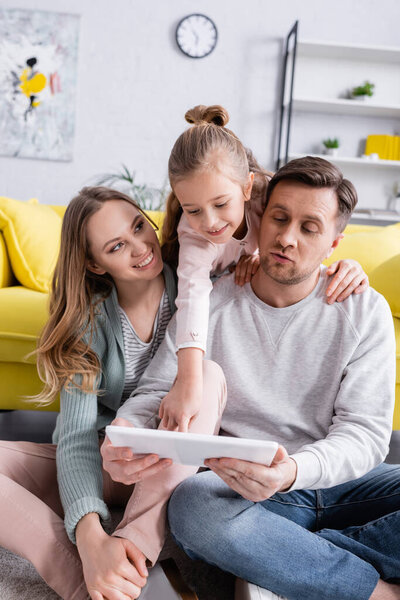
(32, 234)
(386, 280)
(370, 248)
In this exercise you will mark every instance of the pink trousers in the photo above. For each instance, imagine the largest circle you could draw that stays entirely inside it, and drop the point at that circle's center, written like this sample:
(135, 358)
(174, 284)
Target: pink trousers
(31, 514)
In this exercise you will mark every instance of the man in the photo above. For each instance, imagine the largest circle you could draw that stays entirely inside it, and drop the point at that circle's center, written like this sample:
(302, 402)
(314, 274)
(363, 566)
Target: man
(322, 520)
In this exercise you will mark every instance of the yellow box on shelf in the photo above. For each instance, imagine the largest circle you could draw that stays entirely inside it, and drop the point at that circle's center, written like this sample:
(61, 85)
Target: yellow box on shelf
(386, 146)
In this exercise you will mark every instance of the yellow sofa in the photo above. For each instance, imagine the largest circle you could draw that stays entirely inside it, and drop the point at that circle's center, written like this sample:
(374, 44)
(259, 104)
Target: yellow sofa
(23, 310)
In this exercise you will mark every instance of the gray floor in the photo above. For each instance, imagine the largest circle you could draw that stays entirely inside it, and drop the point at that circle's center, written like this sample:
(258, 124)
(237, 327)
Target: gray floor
(19, 580)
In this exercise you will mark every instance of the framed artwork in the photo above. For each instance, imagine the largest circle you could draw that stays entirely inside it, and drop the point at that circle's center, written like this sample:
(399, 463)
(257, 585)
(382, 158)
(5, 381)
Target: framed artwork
(38, 71)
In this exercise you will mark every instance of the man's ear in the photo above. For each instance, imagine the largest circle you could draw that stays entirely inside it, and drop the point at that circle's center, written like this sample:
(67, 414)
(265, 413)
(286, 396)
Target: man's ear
(249, 186)
(335, 244)
(91, 266)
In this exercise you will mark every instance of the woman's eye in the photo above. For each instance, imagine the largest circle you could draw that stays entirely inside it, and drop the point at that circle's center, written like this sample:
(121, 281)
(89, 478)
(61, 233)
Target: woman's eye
(116, 247)
(139, 226)
(220, 205)
(280, 219)
(193, 212)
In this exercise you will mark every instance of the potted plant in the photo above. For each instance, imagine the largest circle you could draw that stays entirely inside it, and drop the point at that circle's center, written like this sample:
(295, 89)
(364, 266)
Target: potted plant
(148, 198)
(331, 146)
(362, 92)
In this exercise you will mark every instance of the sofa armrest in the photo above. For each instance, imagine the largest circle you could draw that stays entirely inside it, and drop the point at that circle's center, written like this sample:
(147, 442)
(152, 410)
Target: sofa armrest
(6, 275)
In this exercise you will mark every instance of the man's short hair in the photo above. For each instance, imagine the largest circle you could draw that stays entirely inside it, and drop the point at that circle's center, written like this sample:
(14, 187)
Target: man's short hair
(319, 173)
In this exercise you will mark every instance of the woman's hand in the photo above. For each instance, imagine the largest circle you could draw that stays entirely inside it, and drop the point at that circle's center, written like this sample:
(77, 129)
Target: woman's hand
(113, 568)
(246, 267)
(126, 467)
(349, 278)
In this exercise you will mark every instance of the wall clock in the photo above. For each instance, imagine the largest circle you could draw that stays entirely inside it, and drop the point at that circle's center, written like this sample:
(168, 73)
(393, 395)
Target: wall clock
(196, 35)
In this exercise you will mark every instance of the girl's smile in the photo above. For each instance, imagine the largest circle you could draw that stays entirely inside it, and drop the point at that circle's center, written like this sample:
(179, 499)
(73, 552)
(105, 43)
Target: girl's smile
(213, 203)
(218, 231)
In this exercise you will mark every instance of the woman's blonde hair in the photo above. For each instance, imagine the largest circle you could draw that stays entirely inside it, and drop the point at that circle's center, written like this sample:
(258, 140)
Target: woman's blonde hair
(206, 145)
(64, 353)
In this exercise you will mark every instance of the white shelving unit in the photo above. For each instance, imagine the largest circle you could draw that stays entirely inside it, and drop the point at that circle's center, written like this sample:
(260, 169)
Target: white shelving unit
(349, 160)
(319, 107)
(346, 107)
(356, 51)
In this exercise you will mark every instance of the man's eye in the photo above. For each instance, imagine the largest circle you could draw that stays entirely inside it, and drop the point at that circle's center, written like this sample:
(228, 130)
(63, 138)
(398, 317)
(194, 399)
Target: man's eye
(309, 230)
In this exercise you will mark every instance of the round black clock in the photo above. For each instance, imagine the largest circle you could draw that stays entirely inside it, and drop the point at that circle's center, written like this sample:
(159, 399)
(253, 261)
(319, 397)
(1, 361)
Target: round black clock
(196, 35)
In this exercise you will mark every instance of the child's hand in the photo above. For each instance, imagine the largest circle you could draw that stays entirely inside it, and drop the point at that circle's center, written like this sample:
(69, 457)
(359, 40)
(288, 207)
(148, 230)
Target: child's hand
(246, 267)
(350, 278)
(180, 406)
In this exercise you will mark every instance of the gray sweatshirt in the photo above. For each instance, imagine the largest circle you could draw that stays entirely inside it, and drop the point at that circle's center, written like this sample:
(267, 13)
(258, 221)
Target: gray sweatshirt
(317, 378)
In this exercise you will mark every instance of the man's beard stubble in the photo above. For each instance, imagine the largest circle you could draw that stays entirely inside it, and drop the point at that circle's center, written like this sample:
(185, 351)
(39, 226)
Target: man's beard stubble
(287, 274)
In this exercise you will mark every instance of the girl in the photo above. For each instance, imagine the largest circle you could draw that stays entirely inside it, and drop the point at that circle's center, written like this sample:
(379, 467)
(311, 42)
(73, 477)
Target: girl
(213, 217)
(111, 300)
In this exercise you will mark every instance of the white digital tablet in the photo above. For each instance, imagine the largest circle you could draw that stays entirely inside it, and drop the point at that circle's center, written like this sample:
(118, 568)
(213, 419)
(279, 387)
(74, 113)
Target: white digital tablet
(191, 448)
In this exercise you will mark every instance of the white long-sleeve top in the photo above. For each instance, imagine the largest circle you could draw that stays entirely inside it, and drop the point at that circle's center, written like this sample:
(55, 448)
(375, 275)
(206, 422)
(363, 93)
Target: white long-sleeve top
(317, 378)
(199, 259)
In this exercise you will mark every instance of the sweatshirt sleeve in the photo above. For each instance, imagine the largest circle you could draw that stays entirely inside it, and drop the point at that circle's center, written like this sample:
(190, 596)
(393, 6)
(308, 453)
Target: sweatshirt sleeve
(79, 469)
(358, 439)
(141, 408)
(196, 260)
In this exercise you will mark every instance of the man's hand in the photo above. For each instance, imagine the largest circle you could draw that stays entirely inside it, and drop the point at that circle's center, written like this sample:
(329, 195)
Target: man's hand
(253, 481)
(125, 466)
(113, 568)
(349, 278)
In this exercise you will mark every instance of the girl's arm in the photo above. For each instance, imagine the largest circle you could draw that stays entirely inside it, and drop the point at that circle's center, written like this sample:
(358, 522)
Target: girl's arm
(349, 278)
(197, 257)
(183, 402)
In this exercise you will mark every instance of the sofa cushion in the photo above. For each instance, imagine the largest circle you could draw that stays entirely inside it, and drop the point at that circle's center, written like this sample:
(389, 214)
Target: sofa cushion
(6, 275)
(396, 416)
(369, 247)
(18, 383)
(23, 313)
(32, 234)
(59, 209)
(386, 280)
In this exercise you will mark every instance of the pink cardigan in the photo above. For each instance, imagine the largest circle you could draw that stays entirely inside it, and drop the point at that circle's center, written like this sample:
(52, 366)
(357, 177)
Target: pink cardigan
(200, 258)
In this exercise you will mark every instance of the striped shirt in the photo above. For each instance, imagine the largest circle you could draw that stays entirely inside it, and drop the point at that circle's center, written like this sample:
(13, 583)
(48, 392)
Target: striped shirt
(138, 353)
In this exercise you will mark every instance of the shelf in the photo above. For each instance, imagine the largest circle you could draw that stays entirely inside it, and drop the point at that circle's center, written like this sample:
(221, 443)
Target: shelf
(376, 216)
(348, 51)
(316, 104)
(350, 160)
(346, 107)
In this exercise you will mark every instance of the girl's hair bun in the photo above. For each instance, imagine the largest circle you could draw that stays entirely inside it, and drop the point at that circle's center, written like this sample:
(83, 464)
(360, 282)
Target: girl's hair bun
(207, 114)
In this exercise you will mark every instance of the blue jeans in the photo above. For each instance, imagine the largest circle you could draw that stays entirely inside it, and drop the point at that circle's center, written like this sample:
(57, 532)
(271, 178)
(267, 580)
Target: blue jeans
(331, 544)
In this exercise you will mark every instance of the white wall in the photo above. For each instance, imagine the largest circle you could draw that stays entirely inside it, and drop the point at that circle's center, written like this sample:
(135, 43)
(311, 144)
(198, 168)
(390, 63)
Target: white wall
(134, 85)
